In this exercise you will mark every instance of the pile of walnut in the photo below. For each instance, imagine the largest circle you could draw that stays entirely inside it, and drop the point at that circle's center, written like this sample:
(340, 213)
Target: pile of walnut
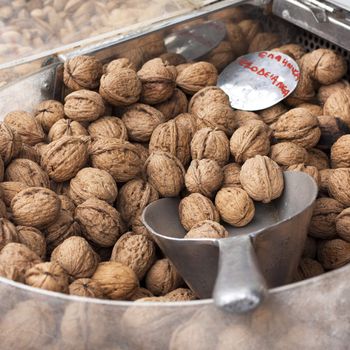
(76, 176)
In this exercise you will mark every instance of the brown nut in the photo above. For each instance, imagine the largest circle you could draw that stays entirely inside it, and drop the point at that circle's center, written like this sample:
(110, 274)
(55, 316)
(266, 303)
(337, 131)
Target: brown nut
(235, 206)
(82, 72)
(180, 294)
(119, 63)
(250, 28)
(288, 153)
(67, 204)
(235, 37)
(135, 251)
(187, 121)
(333, 254)
(29, 152)
(140, 120)
(26, 126)
(342, 223)
(231, 175)
(141, 293)
(76, 257)
(66, 127)
(8, 233)
(315, 110)
(86, 287)
(204, 176)
(307, 169)
(294, 50)
(35, 206)
(10, 143)
(33, 239)
(49, 276)
(174, 106)
(196, 208)
(48, 112)
(308, 268)
(162, 278)
(165, 173)
(92, 182)
(317, 158)
(340, 156)
(116, 280)
(221, 55)
(338, 185)
(243, 117)
(111, 127)
(84, 106)
(207, 229)
(338, 105)
(326, 90)
(324, 179)
(271, 114)
(119, 158)
(99, 221)
(172, 59)
(10, 189)
(211, 144)
(264, 41)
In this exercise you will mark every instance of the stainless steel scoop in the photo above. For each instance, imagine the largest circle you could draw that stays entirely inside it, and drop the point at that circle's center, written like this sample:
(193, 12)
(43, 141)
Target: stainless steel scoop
(237, 270)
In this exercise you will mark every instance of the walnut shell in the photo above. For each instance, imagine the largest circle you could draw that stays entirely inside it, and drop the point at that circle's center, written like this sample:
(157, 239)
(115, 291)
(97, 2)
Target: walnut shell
(116, 280)
(172, 137)
(111, 127)
(180, 294)
(235, 206)
(326, 90)
(308, 268)
(204, 176)
(92, 182)
(322, 223)
(338, 105)
(242, 118)
(342, 223)
(187, 121)
(99, 221)
(82, 72)
(10, 189)
(298, 126)
(288, 153)
(333, 254)
(229, 14)
(211, 144)
(264, 41)
(86, 287)
(67, 204)
(307, 169)
(248, 141)
(324, 178)
(25, 125)
(339, 184)
(197, 76)
(33, 239)
(29, 152)
(196, 208)
(8, 233)
(317, 158)
(157, 81)
(340, 156)
(231, 175)
(27, 172)
(10, 143)
(174, 106)
(250, 28)
(66, 127)
(48, 112)
(207, 229)
(119, 158)
(143, 151)
(120, 63)
(120, 88)
(141, 293)
(162, 278)
(315, 110)
(271, 114)
(135, 251)
(172, 59)
(221, 55)
(3, 210)
(76, 257)
(49, 276)
(140, 120)
(165, 173)
(63, 158)
(84, 106)
(294, 50)
(35, 206)
(11, 273)
(235, 37)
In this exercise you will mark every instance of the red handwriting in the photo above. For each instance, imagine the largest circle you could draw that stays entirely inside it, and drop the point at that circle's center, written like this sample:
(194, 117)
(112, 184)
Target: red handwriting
(266, 74)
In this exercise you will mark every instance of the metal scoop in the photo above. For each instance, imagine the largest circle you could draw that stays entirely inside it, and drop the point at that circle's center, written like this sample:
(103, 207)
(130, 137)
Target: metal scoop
(238, 270)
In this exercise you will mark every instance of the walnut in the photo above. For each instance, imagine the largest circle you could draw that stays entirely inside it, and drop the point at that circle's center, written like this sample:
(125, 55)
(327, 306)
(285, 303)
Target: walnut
(307, 169)
(310, 248)
(250, 28)
(340, 156)
(35, 206)
(207, 229)
(100, 222)
(48, 112)
(165, 173)
(187, 121)
(327, 90)
(324, 178)
(204, 176)
(3, 210)
(162, 278)
(8, 233)
(11, 273)
(339, 184)
(10, 189)
(119, 158)
(116, 280)
(333, 254)
(10, 143)
(76, 257)
(242, 118)
(235, 37)
(293, 50)
(317, 158)
(84, 106)
(33, 239)
(133, 198)
(111, 127)
(27, 172)
(288, 153)
(66, 127)
(221, 55)
(308, 268)
(49, 276)
(172, 137)
(174, 106)
(264, 41)
(64, 227)
(196, 208)
(67, 204)
(143, 151)
(86, 287)
(140, 120)
(29, 152)
(121, 88)
(298, 126)
(180, 294)
(172, 59)
(231, 175)
(197, 76)
(338, 105)
(271, 114)
(92, 182)
(152, 45)
(120, 63)
(229, 14)
(182, 67)
(82, 72)
(19, 256)
(25, 125)
(158, 82)
(322, 223)
(60, 187)
(248, 141)
(135, 251)
(342, 224)
(315, 110)
(211, 144)
(141, 293)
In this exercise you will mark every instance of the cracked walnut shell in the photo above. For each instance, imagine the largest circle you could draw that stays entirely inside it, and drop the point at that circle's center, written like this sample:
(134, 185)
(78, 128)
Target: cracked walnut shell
(48, 112)
(66, 127)
(33, 239)
(111, 127)
(207, 229)
(10, 143)
(86, 287)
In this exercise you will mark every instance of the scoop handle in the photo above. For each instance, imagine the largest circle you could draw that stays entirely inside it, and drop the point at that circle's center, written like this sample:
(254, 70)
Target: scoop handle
(240, 286)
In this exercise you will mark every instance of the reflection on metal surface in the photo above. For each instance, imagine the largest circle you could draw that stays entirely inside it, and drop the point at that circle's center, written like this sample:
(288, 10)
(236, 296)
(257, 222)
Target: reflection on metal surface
(259, 80)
